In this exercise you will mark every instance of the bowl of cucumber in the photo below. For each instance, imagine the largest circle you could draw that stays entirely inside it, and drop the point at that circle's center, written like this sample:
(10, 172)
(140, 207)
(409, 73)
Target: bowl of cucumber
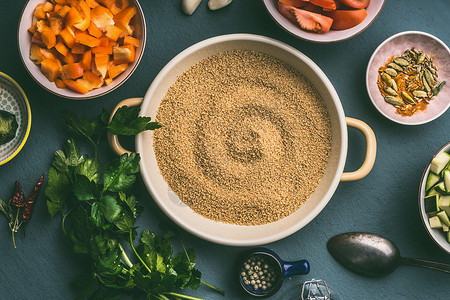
(434, 198)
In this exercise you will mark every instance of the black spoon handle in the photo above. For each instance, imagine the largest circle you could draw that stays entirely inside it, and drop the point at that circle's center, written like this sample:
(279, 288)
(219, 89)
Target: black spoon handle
(426, 264)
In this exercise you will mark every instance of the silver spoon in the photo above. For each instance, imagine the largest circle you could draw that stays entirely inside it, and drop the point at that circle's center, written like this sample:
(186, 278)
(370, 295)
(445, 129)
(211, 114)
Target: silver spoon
(371, 254)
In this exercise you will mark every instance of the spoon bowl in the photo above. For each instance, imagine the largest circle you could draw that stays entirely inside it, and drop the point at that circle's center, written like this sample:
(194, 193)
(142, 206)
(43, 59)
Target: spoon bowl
(373, 255)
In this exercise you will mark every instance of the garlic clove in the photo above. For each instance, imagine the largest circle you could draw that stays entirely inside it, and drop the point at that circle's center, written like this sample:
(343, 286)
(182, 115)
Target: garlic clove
(216, 4)
(189, 6)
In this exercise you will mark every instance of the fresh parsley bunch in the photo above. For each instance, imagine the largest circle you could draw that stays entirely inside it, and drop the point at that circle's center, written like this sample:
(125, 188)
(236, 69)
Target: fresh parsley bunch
(99, 215)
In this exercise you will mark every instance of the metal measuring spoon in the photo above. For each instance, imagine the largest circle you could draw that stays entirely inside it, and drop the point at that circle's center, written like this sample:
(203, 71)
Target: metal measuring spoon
(371, 254)
(271, 262)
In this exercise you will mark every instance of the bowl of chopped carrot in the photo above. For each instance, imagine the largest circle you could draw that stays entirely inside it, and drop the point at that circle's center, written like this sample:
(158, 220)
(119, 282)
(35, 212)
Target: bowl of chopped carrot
(324, 21)
(81, 49)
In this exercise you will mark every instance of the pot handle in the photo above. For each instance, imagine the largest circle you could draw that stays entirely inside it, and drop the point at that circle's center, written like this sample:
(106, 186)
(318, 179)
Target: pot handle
(113, 140)
(371, 150)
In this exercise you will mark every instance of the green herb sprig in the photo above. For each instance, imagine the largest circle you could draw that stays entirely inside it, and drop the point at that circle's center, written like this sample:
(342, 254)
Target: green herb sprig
(99, 215)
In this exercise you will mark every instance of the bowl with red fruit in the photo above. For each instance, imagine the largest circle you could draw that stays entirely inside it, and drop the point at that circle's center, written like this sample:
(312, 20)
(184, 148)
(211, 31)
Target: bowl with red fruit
(324, 21)
(81, 49)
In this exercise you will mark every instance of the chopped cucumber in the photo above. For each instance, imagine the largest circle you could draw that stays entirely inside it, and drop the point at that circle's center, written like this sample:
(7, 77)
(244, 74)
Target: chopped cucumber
(444, 228)
(432, 205)
(432, 192)
(435, 222)
(432, 180)
(439, 162)
(440, 188)
(446, 177)
(444, 204)
(444, 218)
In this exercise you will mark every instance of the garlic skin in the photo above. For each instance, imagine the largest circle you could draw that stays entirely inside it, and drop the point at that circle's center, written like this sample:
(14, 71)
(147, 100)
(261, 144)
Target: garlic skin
(217, 4)
(189, 6)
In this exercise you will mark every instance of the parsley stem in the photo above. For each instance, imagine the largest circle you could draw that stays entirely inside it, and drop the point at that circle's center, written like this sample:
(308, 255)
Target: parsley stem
(222, 292)
(63, 221)
(182, 296)
(137, 255)
(125, 257)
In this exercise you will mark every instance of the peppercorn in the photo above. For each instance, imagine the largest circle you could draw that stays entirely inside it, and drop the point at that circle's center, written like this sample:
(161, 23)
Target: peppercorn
(258, 274)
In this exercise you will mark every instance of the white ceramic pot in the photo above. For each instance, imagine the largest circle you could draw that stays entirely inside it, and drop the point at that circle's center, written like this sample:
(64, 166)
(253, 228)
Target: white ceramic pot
(238, 235)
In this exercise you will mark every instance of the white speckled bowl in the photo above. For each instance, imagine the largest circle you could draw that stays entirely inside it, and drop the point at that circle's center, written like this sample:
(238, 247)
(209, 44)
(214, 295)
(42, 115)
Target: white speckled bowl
(396, 45)
(373, 10)
(24, 42)
(14, 100)
(437, 235)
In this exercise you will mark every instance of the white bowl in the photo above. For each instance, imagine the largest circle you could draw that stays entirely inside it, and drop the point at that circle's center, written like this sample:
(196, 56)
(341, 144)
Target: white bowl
(24, 42)
(238, 235)
(396, 45)
(373, 10)
(437, 235)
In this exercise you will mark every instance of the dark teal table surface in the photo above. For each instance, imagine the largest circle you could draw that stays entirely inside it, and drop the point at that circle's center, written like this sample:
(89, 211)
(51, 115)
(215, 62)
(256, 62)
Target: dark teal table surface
(384, 202)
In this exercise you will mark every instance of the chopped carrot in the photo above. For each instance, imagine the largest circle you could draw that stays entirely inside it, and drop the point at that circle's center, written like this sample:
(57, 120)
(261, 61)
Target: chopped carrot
(72, 71)
(108, 81)
(78, 49)
(107, 3)
(104, 41)
(116, 70)
(70, 58)
(73, 17)
(101, 64)
(50, 69)
(118, 6)
(102, 50)
(129, 40)
(60, 84)
(64, 11)
(55, 22)
(75, 86)
(86, 60)
(61, 48)
(48, 37)
(68, 37)
(85, 13)
(94, 30)
(102, 17)
(92, 3)
(123, 18)
(124, 54)
(87, 39)
(113, 32)
(36, 54)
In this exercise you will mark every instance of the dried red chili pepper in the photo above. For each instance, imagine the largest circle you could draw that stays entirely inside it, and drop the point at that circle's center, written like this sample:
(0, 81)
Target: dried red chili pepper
(29, 206)
(18, 199)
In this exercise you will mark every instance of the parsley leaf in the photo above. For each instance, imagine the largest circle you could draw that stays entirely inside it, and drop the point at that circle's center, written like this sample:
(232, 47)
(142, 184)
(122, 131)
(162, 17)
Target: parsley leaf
(119, 175)
(57, 191)
(127, 122)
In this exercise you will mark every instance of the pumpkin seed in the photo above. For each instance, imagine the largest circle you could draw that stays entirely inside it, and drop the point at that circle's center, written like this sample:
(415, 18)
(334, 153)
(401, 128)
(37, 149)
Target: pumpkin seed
(420, 94)
(401, 61)
(386, 78)
(395, 67)
(429, 77)
(390, 91)
(408, 99)
(421, 58)
(391, 72)
(394, 85)
(426, 86)
(394, 100)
